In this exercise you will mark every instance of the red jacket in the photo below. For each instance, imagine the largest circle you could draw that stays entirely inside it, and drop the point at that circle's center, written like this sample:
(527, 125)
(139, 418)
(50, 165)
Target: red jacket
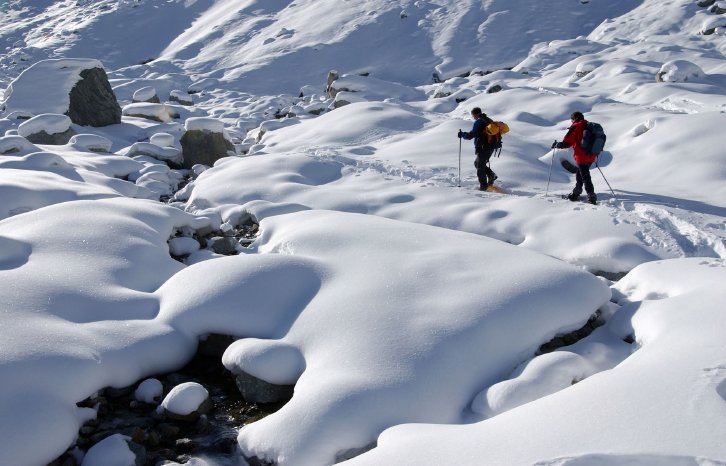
(573, 138)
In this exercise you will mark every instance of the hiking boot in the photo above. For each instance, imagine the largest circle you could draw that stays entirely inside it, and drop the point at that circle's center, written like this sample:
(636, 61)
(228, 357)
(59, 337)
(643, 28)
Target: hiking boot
(482, 187)
(572, 197)
(592, 199)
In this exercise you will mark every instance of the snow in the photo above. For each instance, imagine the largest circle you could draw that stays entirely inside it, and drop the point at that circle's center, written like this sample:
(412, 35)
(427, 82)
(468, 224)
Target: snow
(408, 312)
(46, 122)
(149, 391)
(185, 398)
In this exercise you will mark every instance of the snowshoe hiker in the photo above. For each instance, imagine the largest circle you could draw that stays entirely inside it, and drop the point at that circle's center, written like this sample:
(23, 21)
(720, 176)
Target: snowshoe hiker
(583, 159)
(484, 147)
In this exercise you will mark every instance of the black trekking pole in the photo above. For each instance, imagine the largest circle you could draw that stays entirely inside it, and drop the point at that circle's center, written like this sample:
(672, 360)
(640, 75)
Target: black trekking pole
(606, 180)
(550, 176)
(459, 184)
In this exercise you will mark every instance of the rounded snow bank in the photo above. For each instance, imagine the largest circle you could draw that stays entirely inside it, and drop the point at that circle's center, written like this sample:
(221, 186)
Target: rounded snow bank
(408, 316)
(56, 78)
(679, 71)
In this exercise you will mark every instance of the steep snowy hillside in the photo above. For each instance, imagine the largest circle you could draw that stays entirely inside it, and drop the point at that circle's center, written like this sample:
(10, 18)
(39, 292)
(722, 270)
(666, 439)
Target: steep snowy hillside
(251, 260)
(278, 46)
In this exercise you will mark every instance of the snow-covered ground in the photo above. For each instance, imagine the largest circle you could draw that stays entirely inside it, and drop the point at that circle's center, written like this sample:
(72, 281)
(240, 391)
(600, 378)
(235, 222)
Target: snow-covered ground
(407, 311)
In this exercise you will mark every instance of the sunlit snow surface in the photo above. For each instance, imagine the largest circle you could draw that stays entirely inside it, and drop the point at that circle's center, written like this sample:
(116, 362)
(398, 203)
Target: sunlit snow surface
(406, 310)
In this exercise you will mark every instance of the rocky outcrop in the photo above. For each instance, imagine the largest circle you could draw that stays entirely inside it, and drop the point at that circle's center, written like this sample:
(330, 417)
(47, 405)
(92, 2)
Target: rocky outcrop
(92, 101)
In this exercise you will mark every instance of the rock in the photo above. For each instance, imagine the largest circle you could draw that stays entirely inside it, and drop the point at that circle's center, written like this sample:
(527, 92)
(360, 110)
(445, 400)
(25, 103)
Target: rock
(55, 139)
(185, 445)
(255, 390)
(204, 142)
(78, 88)
(186, 402)
(149, 391)
(118, 449)
(679, 71)
(332, 76)
(718, 8)
(181, 97)
(146, 94)
(224, 245)
(495, 88)
(93, 102)
(705, 3)
(48, 128)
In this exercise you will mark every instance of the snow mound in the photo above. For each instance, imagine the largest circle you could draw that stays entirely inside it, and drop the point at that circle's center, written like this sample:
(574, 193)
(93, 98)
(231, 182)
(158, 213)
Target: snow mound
(111, 451)
(149, 391)
(204, 124)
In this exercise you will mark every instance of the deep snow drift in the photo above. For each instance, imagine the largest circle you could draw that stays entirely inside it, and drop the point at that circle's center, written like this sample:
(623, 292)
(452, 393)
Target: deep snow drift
(409, 313)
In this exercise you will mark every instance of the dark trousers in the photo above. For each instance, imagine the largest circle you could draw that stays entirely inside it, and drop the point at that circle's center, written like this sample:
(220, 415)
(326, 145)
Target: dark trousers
(582, 177)
(483, 172)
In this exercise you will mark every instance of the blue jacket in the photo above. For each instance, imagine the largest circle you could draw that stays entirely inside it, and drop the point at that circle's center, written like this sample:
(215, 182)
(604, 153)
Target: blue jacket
(477, 132)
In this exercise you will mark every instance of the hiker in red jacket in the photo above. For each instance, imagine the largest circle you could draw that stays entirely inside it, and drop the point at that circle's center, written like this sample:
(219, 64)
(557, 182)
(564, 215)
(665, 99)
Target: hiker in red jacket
(573, 138)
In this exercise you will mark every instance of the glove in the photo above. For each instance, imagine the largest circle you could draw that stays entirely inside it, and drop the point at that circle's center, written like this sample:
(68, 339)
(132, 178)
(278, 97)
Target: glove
(554, 145)
(461, 134)
(561, 145)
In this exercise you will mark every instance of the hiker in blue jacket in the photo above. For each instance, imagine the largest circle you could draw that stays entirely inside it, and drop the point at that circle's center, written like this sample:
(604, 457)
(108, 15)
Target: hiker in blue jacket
(482, 148)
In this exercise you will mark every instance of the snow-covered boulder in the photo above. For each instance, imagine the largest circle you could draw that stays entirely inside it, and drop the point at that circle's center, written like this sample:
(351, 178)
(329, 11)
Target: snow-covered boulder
(162, 139)
(373, 88)
(146, 94)
(149, 391)
(78, 88)
(181, 97)
(151, 111)
(204, 142)
(47, 128)
(115, 450)
(713, 23)
(186, 402)
(16, 145)
(271, 369)
(91, 143)
(183, 246)
(679, 71)
(170, 155)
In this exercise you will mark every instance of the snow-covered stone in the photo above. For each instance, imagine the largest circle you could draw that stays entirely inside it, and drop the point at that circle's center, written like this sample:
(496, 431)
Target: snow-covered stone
(162, 139)
(78, 88)
(16, 145)
(149, 391)
(186, 402)
(183, 246)
(204, 142)
(165, 154)
(91, 143)
(146, 94)
(679, 71)
(181, 97)
(112, 451)
(151, 111)
(47, 128)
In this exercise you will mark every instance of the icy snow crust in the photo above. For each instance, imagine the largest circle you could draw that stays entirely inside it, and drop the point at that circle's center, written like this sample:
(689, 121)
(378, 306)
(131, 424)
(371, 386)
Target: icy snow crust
(406, 311)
